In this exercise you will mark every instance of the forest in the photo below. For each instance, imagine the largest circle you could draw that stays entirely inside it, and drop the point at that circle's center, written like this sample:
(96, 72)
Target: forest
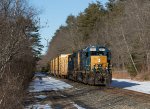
(19, 50)
(123, 26)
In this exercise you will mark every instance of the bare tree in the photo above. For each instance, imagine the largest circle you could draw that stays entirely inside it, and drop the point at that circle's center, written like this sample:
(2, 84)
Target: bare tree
(17, 59)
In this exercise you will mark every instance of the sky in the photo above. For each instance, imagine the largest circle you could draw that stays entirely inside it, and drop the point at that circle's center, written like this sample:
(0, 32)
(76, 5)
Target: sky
(53, 14)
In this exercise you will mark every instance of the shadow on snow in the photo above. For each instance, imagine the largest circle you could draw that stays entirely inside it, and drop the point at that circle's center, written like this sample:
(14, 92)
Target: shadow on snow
(123, 84)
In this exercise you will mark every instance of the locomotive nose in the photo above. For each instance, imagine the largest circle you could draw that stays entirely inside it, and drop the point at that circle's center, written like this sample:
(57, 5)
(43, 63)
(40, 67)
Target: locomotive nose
(98, 61)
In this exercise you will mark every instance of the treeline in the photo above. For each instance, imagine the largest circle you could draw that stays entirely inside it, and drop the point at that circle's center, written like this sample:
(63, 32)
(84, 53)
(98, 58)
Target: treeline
(19, 51)
(123, 26)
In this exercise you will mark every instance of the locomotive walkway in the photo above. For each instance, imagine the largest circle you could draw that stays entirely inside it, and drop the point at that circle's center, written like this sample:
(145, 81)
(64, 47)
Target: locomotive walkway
(46, 92)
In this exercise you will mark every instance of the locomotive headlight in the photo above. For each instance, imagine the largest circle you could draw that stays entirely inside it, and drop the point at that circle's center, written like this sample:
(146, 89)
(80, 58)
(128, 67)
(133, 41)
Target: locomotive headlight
(99, 60)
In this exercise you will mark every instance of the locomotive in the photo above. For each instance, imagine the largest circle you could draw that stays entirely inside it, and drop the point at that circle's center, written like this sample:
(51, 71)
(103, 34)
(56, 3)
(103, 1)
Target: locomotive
(91, 65)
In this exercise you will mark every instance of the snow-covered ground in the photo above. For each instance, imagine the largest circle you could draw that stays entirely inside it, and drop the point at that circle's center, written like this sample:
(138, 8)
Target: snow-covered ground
(143, 87)
(47, 83)
(41, 96)
(78, 107)
(38, 106)
(38, 74)
(42, 82)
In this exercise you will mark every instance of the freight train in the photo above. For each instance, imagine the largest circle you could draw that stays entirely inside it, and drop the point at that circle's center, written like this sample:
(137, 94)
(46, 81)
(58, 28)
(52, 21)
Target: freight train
(91, 65)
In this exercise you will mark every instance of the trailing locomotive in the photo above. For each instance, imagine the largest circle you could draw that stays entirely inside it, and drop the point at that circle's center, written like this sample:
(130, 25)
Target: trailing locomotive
(90, 66)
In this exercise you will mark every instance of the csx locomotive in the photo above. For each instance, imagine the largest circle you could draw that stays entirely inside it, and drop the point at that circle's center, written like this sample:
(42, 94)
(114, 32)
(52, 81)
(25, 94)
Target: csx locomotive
(91, 65)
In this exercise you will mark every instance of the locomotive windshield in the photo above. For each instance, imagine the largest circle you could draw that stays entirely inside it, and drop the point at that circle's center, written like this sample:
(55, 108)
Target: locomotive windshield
(100, 52)
(97, 53)
(93, 51)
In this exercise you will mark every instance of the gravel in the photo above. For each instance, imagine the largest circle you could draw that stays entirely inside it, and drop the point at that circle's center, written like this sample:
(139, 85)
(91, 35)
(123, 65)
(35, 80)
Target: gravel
(81, 96)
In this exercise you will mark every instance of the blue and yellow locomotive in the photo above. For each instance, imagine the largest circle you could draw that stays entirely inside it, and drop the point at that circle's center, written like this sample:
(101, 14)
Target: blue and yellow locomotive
(91, 65)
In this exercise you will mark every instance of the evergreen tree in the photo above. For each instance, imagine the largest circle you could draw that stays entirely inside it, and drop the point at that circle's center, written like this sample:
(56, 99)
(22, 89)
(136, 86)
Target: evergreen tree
(35, 39)
(87, 19)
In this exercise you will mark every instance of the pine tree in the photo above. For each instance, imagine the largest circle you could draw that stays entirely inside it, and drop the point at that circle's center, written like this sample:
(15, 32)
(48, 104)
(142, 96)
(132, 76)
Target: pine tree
(87, 19)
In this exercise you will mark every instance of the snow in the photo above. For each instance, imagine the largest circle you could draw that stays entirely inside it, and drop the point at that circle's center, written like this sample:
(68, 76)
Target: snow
(143, 87)
(38, 106)
(38, 74)
(47, 83)
(41, 96)
(78, 107)
(42, 82)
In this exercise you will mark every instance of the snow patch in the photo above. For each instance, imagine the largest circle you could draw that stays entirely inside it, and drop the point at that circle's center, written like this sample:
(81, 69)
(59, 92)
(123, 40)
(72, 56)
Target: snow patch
(78, 107)
(47, 84)
(42, 82)
(143, 87)
(38, 106)
(39, 74)
(41, 96)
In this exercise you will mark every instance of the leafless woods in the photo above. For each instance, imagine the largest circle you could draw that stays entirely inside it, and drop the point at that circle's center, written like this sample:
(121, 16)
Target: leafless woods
(18, 51)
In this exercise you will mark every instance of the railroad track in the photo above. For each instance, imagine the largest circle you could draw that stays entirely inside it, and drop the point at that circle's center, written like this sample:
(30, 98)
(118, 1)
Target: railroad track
(92, 97)
(110, 89)
(108, 97)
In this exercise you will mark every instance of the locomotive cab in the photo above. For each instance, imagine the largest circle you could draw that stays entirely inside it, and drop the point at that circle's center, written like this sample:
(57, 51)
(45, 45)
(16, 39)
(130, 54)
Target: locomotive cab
(97, 57)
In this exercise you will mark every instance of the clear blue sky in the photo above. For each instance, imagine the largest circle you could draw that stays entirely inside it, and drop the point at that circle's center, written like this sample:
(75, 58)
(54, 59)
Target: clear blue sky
(53, 13)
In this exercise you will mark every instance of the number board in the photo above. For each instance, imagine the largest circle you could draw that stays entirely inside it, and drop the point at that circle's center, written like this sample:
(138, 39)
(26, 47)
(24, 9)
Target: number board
(101, 49)
(92, 49)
